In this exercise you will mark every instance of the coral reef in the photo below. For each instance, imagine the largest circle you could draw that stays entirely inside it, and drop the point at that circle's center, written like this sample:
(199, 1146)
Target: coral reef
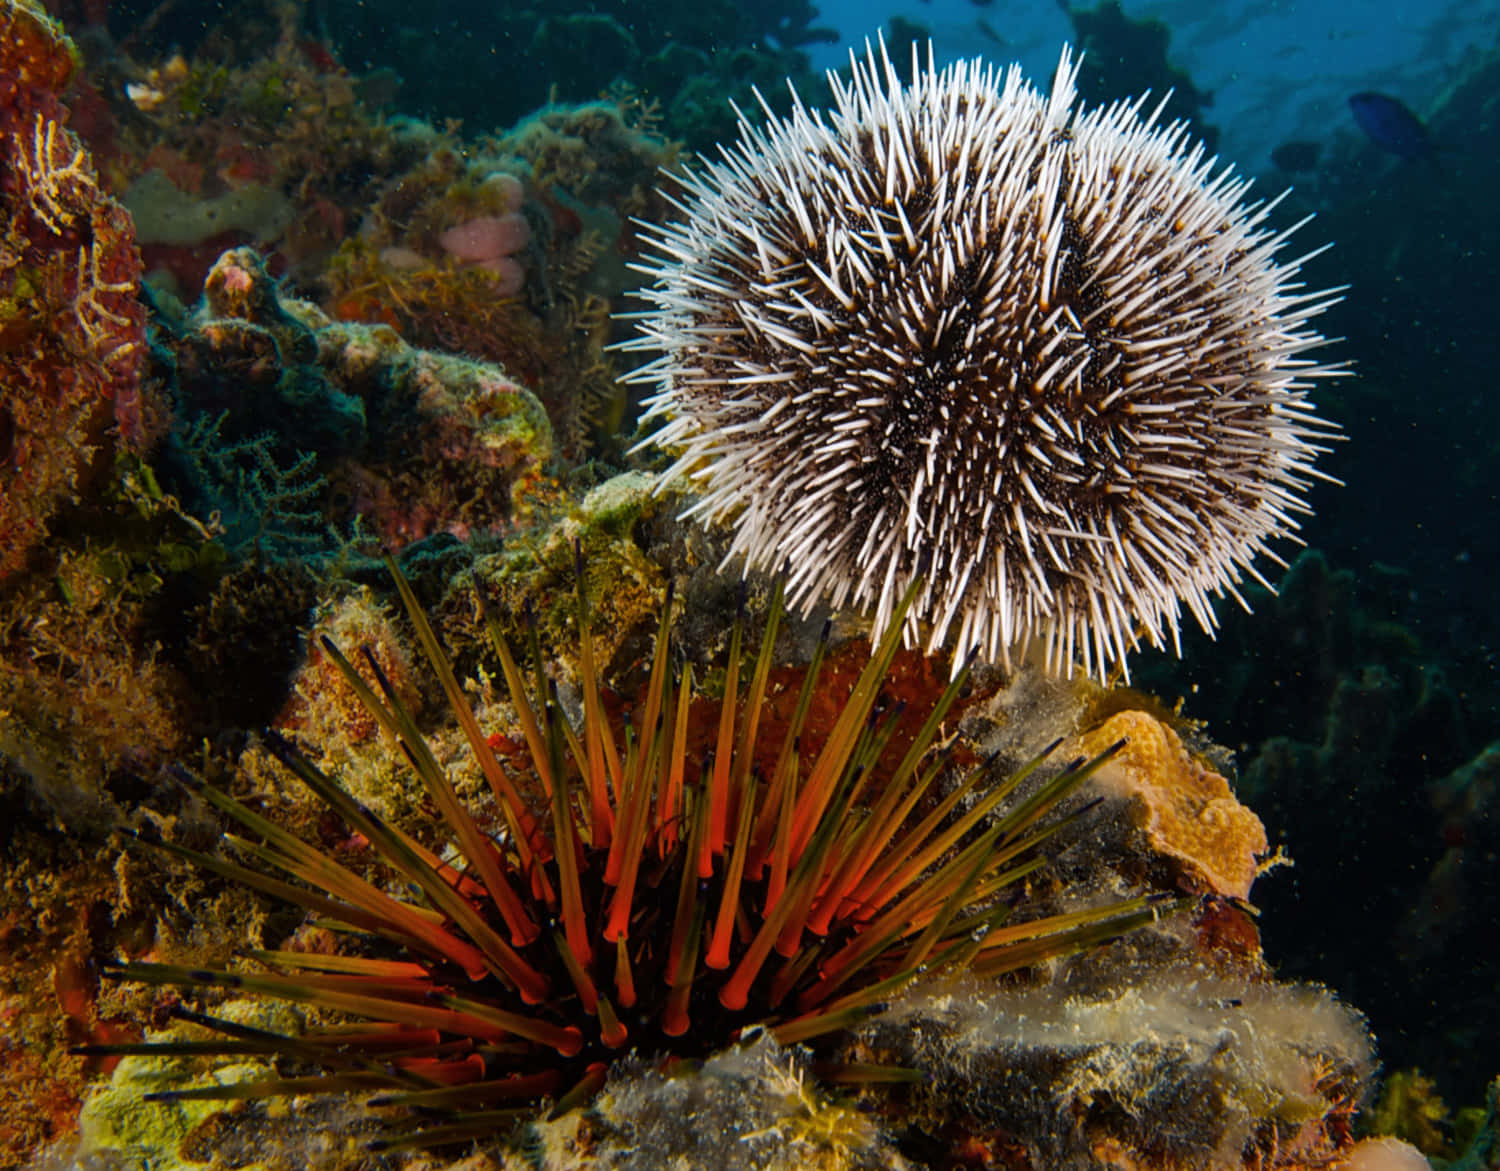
(72, 333)
(1084, 1062)
(687, 57)
(293, 423)
(119, 647)
(1112, 1057)
(279, 148)
(509, 247)
(415, 352)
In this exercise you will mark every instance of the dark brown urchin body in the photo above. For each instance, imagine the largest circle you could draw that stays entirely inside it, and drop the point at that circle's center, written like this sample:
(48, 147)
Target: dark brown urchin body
(1043, 361)
(659, 905)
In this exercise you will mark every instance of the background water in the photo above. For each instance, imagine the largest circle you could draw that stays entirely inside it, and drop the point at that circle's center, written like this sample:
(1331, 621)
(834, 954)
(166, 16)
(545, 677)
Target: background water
(1275, 70)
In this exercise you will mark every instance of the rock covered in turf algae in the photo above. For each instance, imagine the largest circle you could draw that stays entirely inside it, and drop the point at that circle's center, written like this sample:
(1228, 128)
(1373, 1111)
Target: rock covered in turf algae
(411, 441)
(626, 582)
(1174, 1069)
(337, 731)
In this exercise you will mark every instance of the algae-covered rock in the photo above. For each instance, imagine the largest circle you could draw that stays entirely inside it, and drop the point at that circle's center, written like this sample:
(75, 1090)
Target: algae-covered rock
(1171, 1069)
(292, 423)
(625, 583)
(120, 1123)
(754, 1107)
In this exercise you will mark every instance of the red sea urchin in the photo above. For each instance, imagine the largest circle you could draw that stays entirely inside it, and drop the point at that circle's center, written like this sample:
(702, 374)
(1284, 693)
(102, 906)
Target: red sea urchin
(658, 904)
(1044, 361)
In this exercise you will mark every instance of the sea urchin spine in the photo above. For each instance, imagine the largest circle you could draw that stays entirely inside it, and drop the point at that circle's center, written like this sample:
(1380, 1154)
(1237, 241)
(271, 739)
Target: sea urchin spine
(1037, 364)
(658, 893)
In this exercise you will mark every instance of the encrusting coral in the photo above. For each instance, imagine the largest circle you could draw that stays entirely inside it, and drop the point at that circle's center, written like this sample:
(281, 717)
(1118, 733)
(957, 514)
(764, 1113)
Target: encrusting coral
(1185, 812)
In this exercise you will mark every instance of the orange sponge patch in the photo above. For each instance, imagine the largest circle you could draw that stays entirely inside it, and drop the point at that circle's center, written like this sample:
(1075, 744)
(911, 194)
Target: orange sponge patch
(1186, 811)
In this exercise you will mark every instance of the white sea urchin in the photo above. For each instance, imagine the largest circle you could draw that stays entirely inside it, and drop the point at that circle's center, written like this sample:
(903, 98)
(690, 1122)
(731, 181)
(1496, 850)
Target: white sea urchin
(1043, 359)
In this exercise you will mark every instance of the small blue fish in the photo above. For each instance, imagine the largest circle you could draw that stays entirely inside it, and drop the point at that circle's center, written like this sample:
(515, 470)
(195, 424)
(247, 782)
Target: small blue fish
(1391, 125)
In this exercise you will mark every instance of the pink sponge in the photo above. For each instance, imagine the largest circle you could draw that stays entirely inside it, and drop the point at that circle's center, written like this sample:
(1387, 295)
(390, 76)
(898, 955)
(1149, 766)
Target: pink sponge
(487, 238)
(491, 242)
